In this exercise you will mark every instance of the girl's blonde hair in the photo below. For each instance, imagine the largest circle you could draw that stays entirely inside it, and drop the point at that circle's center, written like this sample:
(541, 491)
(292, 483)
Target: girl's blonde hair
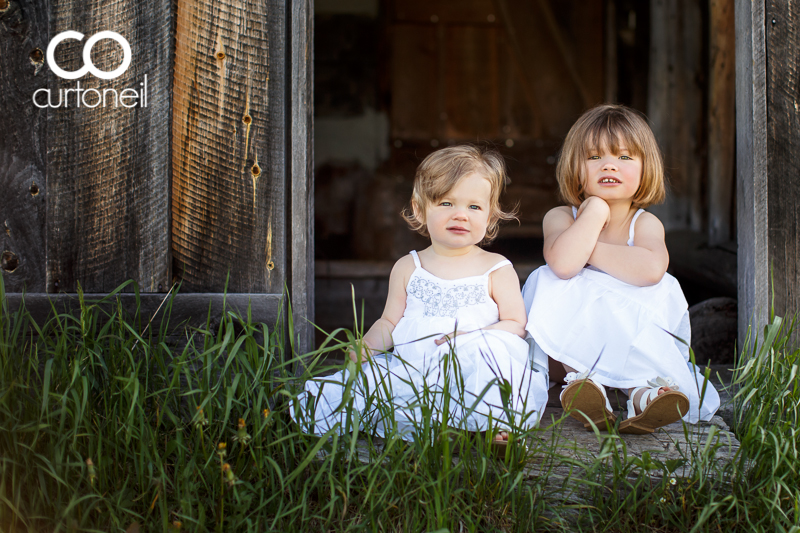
(442, 170)
(606, 127)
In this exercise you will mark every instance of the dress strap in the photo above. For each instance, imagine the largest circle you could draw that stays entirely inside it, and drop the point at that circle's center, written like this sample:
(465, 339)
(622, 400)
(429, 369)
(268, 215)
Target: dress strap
(501, 264)
(633, 223)
(574, 212)
(416, 258)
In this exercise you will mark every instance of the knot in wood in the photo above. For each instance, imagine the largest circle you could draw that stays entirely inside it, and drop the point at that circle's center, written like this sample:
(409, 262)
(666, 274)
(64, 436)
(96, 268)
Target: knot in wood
(9, 262)
(256, 170)
(247, 119)
(220, 55)
(4, 5)
(34, 189)
(37, 56)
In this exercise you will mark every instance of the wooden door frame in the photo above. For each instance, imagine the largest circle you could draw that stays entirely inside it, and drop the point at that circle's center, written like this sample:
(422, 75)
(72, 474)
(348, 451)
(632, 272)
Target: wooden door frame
(301, 170)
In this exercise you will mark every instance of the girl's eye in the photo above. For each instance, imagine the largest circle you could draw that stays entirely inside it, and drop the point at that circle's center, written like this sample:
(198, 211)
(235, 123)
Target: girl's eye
(594, 157)
(627, 157)
(446, 204)
(476, 207)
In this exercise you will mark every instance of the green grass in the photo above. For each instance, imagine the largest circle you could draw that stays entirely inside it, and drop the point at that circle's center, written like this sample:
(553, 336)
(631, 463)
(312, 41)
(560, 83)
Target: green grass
(102, 427)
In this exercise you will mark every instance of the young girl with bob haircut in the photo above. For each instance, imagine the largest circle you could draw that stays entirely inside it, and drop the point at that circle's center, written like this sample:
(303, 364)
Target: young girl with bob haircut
(454, 315)
(604, 306)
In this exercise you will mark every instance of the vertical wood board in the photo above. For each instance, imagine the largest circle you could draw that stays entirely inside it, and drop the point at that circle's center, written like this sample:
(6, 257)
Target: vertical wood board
(302, 173)
(751, 165)
(229, 144)
(675, 108)
(783, 160)
(721, 121)
(108, 167)
(24, 34)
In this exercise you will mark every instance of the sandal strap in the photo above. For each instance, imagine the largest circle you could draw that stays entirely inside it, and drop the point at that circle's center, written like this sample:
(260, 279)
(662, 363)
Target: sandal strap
(650, 394)
(575, 376)
(659, 382)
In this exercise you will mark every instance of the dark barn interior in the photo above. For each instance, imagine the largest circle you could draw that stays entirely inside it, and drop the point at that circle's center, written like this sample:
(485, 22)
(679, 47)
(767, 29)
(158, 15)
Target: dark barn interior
(397, 79)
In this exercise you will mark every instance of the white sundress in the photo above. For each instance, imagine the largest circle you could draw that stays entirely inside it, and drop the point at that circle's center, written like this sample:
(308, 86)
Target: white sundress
(619, 331)
(434, 307)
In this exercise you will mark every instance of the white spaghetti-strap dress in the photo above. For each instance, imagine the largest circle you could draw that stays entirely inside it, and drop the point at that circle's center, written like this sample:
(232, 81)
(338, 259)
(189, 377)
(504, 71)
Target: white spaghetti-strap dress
(619, 331)
(488, 365)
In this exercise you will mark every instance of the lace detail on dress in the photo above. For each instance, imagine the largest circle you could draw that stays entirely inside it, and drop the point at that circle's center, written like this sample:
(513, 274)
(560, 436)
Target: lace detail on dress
(445, 302)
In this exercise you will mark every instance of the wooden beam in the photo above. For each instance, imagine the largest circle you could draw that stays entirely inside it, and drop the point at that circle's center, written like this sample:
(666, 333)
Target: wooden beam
(783, 161)
(721, 121)
(302, 173)
(229, 146)
(108, 166)
(751, 165)
(23, 145)
(187, 309)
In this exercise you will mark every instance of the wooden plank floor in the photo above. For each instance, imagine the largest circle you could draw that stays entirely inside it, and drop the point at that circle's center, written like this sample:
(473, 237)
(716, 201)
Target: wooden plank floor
(579, 446)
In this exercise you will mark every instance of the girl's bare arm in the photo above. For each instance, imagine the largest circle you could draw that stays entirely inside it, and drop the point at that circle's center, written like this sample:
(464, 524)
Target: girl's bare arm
(568, 243)
(642, 264)
(504, 290)
(379, 336)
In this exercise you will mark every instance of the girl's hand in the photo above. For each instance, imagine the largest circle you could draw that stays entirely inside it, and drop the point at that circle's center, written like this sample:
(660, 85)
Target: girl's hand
(597, 205)
(446, 338)
(365, 354)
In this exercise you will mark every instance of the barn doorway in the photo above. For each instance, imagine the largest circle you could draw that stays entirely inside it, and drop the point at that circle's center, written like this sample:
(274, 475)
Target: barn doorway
(395, 80)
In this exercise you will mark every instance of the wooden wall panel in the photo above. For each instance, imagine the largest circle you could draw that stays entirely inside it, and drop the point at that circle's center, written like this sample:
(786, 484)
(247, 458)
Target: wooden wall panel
(23, 145)
(675, 108)
(549, 63)
(229, 146)
(471, 83)
(783, 159)
(108, 168)
(415, 96)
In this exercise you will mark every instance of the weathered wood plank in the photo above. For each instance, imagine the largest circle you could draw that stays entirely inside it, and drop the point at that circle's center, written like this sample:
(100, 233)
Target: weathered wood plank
(24, 28)
(783, 160)
(751, 165)
(187, 309)
(302, 173)
(675, 107)
(721, 121)
(229, 146)
(108, 167)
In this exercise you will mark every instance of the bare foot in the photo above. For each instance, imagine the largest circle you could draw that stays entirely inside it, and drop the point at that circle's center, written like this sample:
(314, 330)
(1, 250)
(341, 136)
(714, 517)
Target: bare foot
(501, 436)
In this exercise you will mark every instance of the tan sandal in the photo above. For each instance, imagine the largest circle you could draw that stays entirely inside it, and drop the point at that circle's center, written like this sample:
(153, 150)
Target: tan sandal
(657, 410)
(585, 400)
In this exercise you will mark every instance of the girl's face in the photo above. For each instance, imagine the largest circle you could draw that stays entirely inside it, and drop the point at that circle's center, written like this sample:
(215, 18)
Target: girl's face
(460, 218)
(612, 176)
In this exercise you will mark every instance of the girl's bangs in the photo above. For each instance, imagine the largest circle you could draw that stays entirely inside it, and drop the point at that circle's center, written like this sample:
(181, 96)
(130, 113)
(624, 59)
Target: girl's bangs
(610, 133)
